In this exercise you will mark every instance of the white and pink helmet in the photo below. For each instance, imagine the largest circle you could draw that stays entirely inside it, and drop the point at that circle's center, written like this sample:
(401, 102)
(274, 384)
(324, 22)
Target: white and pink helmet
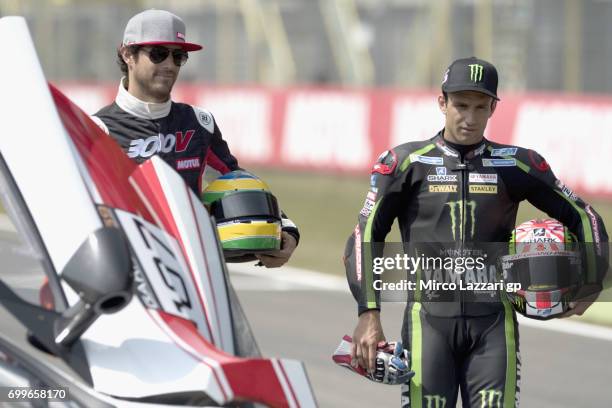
(544, 259)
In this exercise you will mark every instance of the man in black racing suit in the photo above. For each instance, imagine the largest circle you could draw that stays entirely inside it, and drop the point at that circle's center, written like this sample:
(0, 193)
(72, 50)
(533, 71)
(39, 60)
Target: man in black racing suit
(146, 122)
(459, 186)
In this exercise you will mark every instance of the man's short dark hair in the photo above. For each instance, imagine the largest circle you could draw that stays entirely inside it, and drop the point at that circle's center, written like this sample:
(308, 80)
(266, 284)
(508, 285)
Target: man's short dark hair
(132, 50)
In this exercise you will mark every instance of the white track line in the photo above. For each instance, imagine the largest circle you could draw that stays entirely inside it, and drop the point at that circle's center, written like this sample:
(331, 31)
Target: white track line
(292, 276)
(573, 327)
(310, 279)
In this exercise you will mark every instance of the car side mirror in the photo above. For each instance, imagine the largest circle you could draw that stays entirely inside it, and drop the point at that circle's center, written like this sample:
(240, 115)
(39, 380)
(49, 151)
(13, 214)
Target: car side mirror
(101, 273)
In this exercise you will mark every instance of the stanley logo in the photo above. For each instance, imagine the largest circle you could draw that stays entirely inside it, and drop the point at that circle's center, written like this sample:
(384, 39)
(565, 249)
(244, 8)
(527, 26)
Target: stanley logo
(483, 189)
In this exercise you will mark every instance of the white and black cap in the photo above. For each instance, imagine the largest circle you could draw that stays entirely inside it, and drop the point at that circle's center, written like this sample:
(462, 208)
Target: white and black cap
(157, 27)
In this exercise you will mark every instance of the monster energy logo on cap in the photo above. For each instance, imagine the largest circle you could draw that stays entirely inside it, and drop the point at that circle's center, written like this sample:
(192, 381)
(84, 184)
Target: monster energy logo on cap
(476, 72)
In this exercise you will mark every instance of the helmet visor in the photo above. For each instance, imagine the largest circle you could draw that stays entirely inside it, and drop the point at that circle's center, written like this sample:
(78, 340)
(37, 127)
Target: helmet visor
(245, 204)
(538, 272)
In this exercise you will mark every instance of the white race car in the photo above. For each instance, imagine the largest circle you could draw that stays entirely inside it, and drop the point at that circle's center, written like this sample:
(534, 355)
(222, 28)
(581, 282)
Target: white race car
(136, 308)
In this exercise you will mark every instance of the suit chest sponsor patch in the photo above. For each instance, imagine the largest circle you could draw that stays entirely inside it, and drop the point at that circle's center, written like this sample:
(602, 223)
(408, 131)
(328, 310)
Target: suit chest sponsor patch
(498, 162)
(438, 161)
(189, 163)
(441, 176)
(443, 179)
(506, 151)
(172, 142)
(473, 189)
(442, 188)
(483, 178)
(483, 189)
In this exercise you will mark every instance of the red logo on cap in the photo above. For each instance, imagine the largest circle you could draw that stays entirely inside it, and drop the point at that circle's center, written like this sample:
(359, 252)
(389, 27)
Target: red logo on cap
(180, 36)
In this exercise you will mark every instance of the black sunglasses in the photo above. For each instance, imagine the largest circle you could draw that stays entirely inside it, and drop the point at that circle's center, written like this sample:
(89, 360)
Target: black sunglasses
(158, 54)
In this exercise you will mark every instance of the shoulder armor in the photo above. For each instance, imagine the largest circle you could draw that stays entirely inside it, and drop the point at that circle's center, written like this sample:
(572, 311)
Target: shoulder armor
(205, 118)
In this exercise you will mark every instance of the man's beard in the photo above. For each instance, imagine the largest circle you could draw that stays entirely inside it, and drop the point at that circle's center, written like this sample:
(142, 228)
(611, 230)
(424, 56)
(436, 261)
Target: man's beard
(159, 91)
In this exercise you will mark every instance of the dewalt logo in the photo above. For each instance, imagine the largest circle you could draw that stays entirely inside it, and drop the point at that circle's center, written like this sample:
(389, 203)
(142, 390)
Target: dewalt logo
(442, 188)
(476, 72)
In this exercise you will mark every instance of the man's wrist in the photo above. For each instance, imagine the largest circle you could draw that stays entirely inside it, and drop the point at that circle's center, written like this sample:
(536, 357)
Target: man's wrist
(294, 233)
(370, 314)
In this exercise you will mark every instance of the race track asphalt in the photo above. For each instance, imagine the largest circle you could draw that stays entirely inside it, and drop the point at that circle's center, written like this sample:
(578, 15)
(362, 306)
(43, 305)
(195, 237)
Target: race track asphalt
(558, 370)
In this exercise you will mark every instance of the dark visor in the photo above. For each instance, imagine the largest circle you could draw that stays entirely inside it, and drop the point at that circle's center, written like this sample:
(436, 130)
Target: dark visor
(543, 272)
(245, 204)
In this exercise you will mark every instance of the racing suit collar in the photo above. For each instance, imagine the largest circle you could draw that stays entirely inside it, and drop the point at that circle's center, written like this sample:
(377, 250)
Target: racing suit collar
(449, 150)
(141, 109)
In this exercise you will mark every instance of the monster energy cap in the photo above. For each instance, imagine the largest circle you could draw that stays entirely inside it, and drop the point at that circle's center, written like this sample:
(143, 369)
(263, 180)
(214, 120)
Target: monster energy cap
(157, 27)
(471, 74)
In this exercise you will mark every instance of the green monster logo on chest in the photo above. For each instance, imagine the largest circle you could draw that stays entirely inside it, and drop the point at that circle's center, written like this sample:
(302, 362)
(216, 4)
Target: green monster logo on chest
(457, 217)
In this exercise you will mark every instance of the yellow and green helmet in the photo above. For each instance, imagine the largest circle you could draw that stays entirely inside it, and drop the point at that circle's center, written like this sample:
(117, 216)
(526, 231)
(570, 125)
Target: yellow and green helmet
(246, 212)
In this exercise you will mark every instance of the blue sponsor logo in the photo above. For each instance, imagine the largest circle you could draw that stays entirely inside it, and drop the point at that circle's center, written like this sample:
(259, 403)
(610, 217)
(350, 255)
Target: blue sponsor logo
(441, 171)
(506, 151)
(544, 312)
(427, 159)
(498, 162)
(373, 179)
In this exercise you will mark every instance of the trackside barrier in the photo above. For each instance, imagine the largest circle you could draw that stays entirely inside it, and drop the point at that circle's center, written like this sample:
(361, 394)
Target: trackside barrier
(340, 130)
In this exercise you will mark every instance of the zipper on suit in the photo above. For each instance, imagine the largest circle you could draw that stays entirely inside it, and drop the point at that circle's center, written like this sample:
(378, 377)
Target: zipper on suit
(464, 173)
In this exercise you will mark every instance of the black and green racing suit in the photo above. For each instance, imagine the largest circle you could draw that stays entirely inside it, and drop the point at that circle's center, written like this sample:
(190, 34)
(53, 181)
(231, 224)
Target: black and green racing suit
(440, 195)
